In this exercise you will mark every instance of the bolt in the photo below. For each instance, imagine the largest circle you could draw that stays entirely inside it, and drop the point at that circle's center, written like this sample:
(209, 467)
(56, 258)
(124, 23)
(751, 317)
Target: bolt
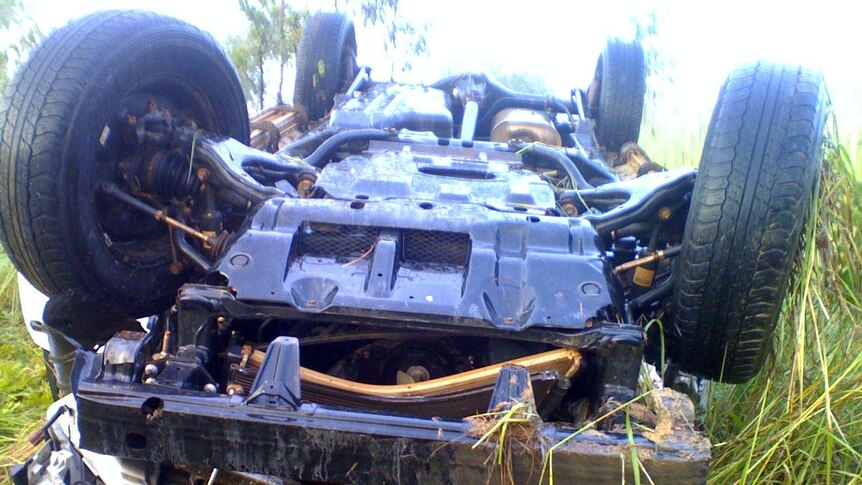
(150, 380)
(570, 209)
(210, 388)
(176, 268)
(203, 175)
(151, 370)
(664, 213)
(304, 186)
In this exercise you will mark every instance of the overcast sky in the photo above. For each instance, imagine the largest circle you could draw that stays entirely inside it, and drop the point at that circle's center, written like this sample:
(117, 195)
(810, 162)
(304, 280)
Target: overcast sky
(560, 40)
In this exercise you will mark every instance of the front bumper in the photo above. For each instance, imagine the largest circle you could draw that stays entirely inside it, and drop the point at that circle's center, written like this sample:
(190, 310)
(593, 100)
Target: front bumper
(313, 442)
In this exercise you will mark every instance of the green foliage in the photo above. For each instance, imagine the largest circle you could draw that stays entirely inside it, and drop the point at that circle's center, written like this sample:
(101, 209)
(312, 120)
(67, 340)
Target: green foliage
(24, 393)
(8, 12)
(241, 50)
(274, 32)
(403, 40)
(12, 17)
(275, 29)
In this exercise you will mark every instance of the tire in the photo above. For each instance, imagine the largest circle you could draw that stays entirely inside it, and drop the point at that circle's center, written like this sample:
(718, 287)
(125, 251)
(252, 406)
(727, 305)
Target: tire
(757, 176)
(616, 95)
(56, 148)
(328, 39)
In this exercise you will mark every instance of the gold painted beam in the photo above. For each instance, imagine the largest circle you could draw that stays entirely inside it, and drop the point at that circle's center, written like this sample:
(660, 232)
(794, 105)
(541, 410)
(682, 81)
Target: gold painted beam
(565, 361)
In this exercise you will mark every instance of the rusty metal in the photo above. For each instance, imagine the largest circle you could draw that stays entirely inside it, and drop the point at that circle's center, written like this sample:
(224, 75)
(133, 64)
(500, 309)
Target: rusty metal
(524, 125)
(158, 214)
(656, 256)
(203, 175)
(664, 214)
(271, 132)
(632, 161)
(161, 216)
(305, 183)
(235, 390)
(166, 346)
(275, 126)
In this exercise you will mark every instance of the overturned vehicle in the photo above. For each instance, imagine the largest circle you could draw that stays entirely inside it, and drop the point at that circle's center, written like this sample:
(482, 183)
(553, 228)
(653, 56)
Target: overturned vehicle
(415, 262)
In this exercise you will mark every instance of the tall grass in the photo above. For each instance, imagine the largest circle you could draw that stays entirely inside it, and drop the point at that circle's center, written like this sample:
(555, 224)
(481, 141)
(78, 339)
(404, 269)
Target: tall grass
(800, 421)
(24, 393)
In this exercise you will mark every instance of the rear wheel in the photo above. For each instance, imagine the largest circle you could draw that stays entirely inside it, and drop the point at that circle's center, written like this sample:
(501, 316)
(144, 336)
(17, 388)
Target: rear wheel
(760, 163)
(61, 120)
(616, 95)
(325, 63)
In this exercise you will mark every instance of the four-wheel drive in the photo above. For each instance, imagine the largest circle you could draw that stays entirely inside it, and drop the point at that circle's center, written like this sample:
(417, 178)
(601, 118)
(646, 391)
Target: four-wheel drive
(440, 283)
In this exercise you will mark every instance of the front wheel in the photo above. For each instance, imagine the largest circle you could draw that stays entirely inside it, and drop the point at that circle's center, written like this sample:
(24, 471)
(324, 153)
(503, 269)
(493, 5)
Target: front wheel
(61, 125)
(757, 176)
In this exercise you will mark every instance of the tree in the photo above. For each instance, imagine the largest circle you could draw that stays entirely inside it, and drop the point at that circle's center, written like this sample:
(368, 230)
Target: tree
(8, 10)
(241, 52)
(11, 16)
(274, 32)
(403, 41)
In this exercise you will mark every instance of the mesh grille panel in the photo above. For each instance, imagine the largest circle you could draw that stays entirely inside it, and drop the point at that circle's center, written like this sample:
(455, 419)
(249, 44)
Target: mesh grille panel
(437, 247)
(335, 240)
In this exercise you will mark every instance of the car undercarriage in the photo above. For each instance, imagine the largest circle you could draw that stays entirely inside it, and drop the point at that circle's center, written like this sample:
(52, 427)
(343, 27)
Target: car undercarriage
(357, 305)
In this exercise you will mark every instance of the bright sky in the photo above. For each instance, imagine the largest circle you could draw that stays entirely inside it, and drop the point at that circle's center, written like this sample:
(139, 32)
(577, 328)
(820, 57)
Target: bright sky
(560, 40)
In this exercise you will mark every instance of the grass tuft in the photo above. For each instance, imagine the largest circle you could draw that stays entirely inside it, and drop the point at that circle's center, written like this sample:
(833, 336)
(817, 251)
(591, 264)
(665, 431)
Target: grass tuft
(512, 427)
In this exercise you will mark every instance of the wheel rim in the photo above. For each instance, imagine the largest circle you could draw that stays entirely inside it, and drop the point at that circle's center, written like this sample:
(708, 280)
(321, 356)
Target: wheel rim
(134, 238)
